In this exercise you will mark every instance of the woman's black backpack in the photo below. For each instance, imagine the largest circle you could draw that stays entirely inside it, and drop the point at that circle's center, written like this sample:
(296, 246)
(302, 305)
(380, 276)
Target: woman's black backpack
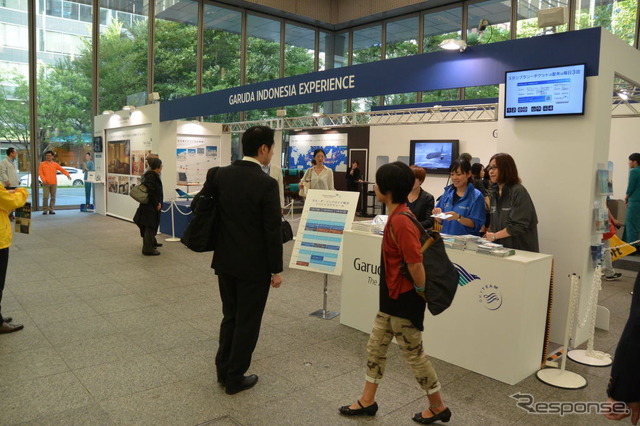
(442, 276)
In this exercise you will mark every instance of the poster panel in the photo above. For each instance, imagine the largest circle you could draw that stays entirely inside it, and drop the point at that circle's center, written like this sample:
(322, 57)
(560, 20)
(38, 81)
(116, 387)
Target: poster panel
(318, 244)
(195, 155)
(126, 150)
(301, 149)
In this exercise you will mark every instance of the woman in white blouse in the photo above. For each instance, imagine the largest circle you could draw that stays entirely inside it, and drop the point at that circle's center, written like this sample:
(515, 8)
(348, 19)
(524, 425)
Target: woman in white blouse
(319, 176)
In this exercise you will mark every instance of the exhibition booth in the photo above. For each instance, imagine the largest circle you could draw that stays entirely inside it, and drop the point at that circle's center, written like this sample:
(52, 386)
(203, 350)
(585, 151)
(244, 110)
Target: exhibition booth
(557, 158)
(496, 325)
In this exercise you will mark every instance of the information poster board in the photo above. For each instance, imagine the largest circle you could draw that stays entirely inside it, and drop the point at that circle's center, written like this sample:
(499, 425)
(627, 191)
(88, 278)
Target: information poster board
(318, 244)
(195, 155)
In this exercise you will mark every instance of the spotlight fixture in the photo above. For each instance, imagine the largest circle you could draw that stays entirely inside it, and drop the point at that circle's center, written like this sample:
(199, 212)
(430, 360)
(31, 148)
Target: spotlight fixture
(454, 44)
(128, 108)
(316, 114)
(483, 25)
(107, 112)
(623, 96)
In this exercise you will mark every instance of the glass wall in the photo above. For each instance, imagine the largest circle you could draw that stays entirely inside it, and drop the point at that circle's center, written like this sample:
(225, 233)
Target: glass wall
(299, 58)
(441, 25)
(497, 14)
(619, 17)
(123, 53)
(527, 25)
(401, 40)
(175, 48)
(220, 54)
(367, 47)
(64, 95)
(263, 56)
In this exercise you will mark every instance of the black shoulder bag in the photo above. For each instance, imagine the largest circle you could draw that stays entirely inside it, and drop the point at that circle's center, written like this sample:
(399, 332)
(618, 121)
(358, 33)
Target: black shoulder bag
(200, 234)
(442, 276)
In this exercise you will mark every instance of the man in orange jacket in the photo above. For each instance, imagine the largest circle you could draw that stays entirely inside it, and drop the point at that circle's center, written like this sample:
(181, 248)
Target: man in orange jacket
(47, 172)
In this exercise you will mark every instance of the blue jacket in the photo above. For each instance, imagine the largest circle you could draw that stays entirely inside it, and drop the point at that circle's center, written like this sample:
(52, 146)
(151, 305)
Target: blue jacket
(471, 205)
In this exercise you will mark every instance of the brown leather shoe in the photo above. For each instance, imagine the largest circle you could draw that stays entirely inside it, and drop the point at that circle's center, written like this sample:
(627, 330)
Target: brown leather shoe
(10, 328)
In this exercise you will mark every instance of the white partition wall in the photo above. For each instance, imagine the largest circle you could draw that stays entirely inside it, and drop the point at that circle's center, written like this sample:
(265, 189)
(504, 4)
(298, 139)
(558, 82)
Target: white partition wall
(557, 159)
(145, 133)
(393, 141)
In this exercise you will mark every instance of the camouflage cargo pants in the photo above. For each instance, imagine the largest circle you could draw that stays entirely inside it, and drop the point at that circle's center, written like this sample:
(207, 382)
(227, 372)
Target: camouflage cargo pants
(409, 338)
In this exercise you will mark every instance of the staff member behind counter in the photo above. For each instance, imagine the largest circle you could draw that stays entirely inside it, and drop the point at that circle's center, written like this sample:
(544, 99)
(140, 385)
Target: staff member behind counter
(514, 222)
(462, 201)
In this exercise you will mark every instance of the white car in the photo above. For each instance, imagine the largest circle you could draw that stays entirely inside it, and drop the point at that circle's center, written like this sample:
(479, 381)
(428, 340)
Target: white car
(77, 178)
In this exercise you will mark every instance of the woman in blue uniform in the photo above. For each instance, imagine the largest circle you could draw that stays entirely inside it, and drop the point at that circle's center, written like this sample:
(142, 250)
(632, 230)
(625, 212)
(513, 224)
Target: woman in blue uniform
(462, 202)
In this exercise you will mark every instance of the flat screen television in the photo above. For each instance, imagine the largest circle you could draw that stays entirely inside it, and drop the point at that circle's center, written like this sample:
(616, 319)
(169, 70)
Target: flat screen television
(435, 155)
(545, 91)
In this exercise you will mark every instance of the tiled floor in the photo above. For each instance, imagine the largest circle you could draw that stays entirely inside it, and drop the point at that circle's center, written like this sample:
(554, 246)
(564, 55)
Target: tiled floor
(113, 337)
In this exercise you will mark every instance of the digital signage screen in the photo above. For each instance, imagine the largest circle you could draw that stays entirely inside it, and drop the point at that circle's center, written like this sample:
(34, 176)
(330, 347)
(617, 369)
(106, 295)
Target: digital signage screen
(545, 91)
(435, 156)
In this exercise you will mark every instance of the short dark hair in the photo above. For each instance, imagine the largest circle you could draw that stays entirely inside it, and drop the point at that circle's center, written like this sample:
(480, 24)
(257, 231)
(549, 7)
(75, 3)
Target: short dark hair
(88, 153)
(463, 165)
(633, 157)
(507, 170)
(154, 163)
(254, 138)
(49, 152)
(419, 172)
(476, 168)
(10, 150)
(466, 156)
(396, 177)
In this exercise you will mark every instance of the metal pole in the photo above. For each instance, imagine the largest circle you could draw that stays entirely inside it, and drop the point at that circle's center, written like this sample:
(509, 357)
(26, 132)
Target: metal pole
(324, 313)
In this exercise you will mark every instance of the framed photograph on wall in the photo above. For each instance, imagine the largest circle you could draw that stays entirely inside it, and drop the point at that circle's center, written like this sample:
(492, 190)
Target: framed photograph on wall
(97, 144)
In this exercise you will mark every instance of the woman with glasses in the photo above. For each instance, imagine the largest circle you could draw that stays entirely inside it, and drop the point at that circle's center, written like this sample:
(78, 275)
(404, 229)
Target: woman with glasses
(514, 222)
(461, 202)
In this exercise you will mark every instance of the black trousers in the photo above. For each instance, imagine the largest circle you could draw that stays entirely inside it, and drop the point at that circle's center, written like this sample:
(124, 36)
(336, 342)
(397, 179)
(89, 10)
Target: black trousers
(4, 262)
(243, 303)
(148, 234)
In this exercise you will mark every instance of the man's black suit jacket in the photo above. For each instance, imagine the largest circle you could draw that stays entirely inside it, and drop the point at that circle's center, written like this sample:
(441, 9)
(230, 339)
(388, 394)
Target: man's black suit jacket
(249, 227)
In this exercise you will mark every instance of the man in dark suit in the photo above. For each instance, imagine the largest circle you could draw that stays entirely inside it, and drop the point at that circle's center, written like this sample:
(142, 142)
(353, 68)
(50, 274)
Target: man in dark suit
(624, 383)
(248, 254)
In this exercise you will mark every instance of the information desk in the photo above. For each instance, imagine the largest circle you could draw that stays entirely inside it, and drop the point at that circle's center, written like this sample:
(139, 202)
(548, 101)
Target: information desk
(496, 323)
(181, 218)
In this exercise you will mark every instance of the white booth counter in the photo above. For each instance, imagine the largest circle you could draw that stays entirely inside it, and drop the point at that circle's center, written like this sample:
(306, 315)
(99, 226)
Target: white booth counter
(496, 324)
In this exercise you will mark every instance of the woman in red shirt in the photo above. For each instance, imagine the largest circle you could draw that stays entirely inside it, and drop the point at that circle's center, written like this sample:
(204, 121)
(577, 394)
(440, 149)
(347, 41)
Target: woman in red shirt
(401, 311)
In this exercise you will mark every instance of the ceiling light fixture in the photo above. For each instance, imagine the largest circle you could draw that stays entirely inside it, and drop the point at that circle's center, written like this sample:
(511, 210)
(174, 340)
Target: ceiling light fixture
(623, 96)
(107, 112)
(128, 108)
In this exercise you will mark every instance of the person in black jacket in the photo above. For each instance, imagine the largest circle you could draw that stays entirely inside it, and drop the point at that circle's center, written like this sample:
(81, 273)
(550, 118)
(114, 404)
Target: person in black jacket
(514, 222)
(354, 175)
(147, 216)
(419, 201)
(248, 254)
(624, 383)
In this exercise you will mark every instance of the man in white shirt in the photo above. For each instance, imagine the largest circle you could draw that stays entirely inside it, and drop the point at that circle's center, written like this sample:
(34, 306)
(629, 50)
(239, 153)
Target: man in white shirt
(8, 170)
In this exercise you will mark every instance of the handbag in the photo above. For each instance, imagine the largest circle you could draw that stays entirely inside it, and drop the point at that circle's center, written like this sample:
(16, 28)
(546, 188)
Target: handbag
(287, 232)
(302, 192)
(200, 234)
(140, 193)
(442, 277)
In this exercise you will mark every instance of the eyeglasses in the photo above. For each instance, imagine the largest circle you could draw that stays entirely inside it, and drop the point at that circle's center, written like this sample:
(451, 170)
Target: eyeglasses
(489, 168)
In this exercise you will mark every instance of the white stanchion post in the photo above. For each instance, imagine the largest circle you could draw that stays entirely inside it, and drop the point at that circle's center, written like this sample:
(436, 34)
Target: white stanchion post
(324, 313)
(561, 378)
(589, 356)
(173, 223)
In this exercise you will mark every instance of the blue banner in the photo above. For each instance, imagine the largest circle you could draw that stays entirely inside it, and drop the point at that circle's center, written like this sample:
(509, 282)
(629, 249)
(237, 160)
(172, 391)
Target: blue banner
(477, 66)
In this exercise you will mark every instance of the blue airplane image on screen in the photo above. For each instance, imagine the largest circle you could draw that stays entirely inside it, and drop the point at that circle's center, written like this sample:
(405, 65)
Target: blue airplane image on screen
(436, 154)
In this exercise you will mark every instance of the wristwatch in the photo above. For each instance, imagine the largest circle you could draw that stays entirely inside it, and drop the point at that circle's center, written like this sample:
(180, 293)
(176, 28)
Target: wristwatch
(459, 217)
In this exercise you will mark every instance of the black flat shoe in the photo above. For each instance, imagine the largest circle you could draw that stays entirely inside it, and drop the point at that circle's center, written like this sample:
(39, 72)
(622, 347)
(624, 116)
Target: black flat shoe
(157, 245)
(153, 253)
(247, 382)
(362, 411)
(444, 416)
